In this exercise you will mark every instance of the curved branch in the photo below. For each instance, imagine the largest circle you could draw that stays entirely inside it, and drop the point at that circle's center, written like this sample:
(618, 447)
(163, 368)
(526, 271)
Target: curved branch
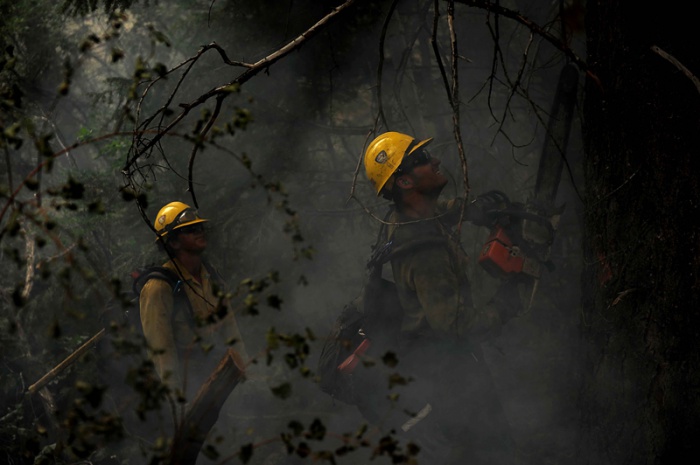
(357, 168)
(226, 89)
(675, 62)
(200, 139)
(514, 86)
(191, 61)
(380, 68)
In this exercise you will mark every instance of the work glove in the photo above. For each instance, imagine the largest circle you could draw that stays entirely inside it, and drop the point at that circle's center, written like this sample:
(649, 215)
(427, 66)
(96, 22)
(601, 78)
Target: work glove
(482, 210)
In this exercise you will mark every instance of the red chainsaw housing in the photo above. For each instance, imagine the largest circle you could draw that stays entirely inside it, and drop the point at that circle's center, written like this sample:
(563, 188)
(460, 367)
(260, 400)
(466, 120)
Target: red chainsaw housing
(498, 256)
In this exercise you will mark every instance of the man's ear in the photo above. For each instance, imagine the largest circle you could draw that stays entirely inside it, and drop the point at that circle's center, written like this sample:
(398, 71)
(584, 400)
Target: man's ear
(404, 182)
(174, 242)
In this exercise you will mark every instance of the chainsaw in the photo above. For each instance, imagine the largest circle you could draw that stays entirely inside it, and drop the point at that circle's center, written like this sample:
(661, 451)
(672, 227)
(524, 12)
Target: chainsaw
(521, 234)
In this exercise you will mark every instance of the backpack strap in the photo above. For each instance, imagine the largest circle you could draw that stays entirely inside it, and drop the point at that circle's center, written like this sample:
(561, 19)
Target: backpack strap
(155, 272)
(215, 276)
(176, 284)
(382, 246)
(386, 247)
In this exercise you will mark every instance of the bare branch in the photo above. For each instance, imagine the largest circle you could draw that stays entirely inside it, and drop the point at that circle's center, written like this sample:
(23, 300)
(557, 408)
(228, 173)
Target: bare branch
(357, 168)
(226, 89)
(200, 140)
(496, 8)
(436, 51)
(456, 110)
(29, 276)
(515, 85)
(380, 68)
(55, 371)
(671, 59)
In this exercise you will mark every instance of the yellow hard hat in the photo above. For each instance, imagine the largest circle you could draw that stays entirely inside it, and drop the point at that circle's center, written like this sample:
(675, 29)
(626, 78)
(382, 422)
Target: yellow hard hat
(175, 215)
(385, 154)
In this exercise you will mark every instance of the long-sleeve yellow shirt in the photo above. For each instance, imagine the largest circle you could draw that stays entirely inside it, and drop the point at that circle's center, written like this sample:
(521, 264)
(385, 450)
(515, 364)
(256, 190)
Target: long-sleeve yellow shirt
(186, 346)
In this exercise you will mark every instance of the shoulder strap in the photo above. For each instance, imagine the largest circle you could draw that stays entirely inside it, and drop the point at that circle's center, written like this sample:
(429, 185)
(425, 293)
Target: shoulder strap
(173, 280)
(382, 247)
(156, 272)
(216, 277)
(386, 248)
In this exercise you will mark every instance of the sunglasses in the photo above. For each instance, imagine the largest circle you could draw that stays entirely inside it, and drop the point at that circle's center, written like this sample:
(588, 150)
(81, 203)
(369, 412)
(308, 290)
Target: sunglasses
(417, 158)
(192, 229)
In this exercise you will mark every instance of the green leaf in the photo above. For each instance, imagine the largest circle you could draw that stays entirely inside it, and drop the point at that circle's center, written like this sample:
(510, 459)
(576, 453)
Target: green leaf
(296, 427)
(72, 190)
(210, 452)
(31, 183)
(117, 54)
(128, 194)
(317, 430)
(96, 207)
(235, 87)
(390, 359)
(283, 391)
(396, 379)
(303, 450)
(291, 361)
(246, 453)
(160, 69)
(274, 301)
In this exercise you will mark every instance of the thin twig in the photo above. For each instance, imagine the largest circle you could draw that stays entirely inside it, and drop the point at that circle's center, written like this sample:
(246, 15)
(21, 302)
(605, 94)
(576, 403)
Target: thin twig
(671, 59)
(455, 112)
(403, 64)
(436, 52)
(514, 86)
(496, 8)
(357, 168)
(380, 67)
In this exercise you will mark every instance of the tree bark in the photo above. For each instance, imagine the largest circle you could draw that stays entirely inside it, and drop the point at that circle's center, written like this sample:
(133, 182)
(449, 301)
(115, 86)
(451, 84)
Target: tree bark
(641, 376)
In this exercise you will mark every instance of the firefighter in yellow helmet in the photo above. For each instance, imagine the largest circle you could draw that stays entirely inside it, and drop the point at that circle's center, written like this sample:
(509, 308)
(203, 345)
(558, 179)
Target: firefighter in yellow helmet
(441, 329)
(385, 155)
(182, 323)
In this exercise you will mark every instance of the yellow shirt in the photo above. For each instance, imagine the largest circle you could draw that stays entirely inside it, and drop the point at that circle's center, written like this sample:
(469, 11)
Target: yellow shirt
(186, 347)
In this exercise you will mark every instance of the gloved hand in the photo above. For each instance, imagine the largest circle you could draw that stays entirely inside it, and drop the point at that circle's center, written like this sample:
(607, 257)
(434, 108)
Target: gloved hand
(480, 210)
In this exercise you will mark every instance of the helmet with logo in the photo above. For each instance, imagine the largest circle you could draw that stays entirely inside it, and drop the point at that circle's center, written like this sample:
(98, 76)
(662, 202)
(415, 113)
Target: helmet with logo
(173, 216)
(385, 154)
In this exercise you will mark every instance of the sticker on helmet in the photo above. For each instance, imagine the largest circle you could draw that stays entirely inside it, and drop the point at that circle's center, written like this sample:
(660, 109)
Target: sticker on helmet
(161, 220)
(381, 157)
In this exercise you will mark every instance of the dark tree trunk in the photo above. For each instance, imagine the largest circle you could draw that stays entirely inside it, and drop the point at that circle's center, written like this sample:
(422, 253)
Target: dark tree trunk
(641, 318)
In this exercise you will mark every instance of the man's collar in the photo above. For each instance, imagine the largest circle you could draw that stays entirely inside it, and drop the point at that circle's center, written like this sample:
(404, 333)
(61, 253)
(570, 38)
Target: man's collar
(177, 265)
